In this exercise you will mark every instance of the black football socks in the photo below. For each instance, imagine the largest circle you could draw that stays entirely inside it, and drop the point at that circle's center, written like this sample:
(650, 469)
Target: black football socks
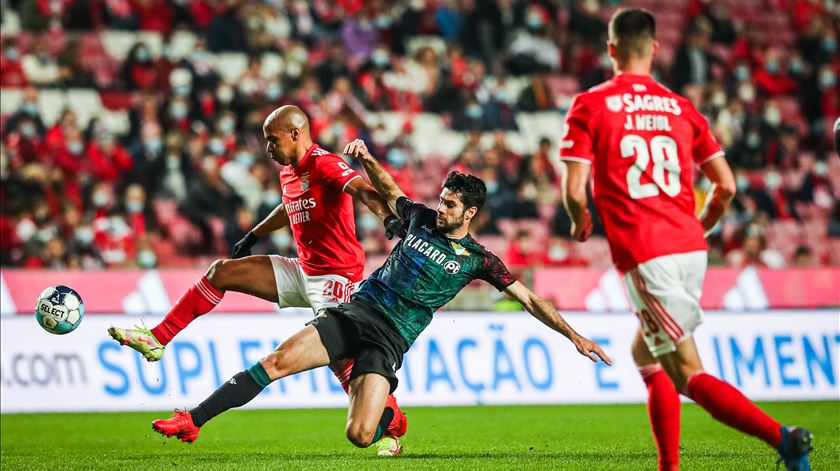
(236, 392)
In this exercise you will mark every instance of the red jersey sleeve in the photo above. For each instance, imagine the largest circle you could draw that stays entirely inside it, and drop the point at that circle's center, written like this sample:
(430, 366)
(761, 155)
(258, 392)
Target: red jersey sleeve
(333, 171)
(576, 141)
(705, 147)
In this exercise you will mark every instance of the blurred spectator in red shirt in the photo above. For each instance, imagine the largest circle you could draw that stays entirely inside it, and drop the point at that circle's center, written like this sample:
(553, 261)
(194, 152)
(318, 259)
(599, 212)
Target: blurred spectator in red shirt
(560, 253)
(154, 15)
(523, 252)
(772, 79)
(109, 161)
(139, 71)
(11, 70)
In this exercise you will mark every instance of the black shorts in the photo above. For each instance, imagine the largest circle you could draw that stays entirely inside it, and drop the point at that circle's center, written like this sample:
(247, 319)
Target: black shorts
(358, 331)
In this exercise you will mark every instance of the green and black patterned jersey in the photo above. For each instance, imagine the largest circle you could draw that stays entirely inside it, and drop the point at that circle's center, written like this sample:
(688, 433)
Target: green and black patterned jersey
(426, 270)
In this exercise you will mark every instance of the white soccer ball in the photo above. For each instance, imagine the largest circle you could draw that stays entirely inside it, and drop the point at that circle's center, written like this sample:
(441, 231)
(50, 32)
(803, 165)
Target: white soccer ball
(59, 310)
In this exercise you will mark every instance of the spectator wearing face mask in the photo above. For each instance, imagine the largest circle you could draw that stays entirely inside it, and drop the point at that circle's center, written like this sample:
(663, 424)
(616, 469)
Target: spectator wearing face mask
(138, 215)
(750, 150)
(829, 95)
(39, 66)
(28, 110)
(139, 71)
(108, 160)
(533, 48)
(772, 79)
(11, 68)
(560, 253)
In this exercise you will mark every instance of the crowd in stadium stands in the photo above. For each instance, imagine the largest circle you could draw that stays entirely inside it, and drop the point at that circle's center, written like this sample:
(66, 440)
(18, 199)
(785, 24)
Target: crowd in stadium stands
(171, 169)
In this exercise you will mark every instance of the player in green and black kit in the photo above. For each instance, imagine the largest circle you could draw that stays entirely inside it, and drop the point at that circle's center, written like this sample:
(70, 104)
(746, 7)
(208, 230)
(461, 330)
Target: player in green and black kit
(435, 260)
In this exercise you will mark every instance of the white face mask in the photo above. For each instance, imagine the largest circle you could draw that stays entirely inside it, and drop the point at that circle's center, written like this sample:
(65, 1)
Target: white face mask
(772, 180)
(558, 253)
(747, 93)
(773, 116)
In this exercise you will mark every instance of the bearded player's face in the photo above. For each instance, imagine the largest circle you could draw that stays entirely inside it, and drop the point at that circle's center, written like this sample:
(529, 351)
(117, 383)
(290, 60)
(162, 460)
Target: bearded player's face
(450, 212)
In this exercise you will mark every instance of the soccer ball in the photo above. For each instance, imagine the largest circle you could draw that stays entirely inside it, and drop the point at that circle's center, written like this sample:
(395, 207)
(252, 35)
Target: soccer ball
(59, 310)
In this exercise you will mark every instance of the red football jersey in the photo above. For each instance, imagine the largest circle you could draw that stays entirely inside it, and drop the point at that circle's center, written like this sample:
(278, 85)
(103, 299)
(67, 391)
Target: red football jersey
(321, 214)
(642, 141)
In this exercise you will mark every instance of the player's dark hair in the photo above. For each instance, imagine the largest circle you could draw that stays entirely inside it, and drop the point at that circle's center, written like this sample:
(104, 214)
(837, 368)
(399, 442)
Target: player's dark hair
(470, 188)
(632, 30)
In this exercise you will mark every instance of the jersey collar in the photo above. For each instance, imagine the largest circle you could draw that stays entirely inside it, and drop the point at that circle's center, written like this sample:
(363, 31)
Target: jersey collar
(625, 77)
(304, 162)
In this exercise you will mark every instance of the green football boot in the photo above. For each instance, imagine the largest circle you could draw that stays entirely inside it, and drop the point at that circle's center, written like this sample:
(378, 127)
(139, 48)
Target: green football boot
(140, 339)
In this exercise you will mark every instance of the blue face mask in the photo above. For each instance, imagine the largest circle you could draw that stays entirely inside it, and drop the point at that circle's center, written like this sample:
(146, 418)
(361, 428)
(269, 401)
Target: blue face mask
(397, 157)
(281, 240)
(216, 146)
(772, 66)
(742, 72)
(181, 90)
(379, 58)
(12, 54)
(271, 198)
(274, 92)
(534, 21)
(146, 259)
(28, 130)
(29, 108)
(178, 111)
(153, 145)
(742, 182)
(829, 45)
(75, 147)
(368, 222)
(227, 125)
(143, 55)
(245, 158)
(827, 80)
(474, 111)
(134, 206)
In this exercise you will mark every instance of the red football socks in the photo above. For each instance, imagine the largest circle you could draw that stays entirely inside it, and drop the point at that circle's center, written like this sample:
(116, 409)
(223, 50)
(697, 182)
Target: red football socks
(344, 375)
(664, 414)
(200, 299)
(728, 405)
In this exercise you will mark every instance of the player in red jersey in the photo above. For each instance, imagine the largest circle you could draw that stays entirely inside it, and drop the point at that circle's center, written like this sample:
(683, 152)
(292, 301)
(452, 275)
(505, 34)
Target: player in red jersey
(642, 142)
(318, 191)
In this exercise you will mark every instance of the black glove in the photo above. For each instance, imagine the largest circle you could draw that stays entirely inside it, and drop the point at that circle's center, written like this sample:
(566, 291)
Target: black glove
(395, 226)
(243, 247)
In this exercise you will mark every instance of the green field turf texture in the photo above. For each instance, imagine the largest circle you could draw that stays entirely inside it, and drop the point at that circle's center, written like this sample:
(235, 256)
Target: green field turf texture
(578, 437)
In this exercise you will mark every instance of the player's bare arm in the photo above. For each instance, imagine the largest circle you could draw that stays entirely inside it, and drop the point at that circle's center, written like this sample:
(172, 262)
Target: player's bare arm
(545, 313)
(362, 191)
(721, 193)
(575, 180)
(379, 177)
(277, 219)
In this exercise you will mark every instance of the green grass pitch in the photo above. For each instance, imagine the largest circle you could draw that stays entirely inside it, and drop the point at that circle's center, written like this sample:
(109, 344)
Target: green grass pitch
(584, 437)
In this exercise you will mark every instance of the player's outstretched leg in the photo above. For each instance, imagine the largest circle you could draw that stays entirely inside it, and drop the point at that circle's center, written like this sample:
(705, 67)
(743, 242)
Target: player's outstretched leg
(300, 352)
(252, 275)
(370, 419)
(343, 369)
(663, 406)
(728, 405)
